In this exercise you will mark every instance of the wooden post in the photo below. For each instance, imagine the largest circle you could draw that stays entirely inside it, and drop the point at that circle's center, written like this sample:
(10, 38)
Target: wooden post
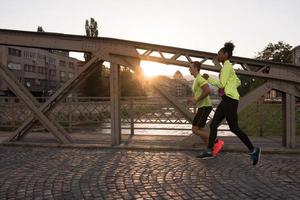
(115, 104)
(131, 113)
(261, 116)
(289, 121)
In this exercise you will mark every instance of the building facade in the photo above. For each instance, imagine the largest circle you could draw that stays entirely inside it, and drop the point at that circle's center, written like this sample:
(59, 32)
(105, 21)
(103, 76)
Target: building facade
(296, 55)
(41, 71)
(181, 87)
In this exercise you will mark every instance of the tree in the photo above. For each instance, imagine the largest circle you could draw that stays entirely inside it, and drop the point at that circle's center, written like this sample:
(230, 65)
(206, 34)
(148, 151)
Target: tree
(40, 29)
(248, 83)
(94, 85)
(130, 85)
(280, 52)
(91, 30)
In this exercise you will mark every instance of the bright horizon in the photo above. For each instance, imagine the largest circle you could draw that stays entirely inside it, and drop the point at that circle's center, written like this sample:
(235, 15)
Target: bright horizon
(191, 24)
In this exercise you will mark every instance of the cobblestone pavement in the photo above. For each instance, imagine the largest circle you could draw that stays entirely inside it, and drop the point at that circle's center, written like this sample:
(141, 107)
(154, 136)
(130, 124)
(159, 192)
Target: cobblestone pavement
(58, 173)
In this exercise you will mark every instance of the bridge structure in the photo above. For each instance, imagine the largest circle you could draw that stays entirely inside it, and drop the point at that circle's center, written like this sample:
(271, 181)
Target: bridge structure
(282, 77)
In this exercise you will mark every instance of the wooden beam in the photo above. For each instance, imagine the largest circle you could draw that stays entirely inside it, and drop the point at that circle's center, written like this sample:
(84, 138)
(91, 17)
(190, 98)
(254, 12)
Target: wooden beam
(279, 71)
(62, 92)
(15, 86)
(80, 43)
(286, 87)
(16, 136)
(289, 121)
(187, 114)
(254, 95)
(115, 104)
(36, 103)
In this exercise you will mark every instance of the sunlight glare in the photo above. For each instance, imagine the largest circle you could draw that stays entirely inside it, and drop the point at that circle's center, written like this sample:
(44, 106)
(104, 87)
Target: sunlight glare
(152, 69)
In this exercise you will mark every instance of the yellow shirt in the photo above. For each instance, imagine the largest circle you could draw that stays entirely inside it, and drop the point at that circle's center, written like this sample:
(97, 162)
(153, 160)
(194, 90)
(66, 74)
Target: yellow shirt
(228, 80)
(197, 89)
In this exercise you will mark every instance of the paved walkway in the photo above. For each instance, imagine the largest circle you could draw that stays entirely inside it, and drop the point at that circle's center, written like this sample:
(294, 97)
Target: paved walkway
(66, 173)
(88, 139)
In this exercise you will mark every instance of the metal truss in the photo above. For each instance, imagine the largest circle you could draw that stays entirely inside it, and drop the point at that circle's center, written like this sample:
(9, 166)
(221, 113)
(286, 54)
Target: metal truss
(283, 77)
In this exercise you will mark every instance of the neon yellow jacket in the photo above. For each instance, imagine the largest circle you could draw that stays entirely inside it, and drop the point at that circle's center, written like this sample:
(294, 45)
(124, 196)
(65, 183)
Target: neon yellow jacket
(228, 80)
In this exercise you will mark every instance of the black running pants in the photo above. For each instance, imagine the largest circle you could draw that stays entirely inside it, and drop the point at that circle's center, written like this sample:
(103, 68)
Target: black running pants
(227, 109)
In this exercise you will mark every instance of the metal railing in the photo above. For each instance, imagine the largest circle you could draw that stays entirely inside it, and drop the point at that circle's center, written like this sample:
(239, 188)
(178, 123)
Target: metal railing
(141, 113)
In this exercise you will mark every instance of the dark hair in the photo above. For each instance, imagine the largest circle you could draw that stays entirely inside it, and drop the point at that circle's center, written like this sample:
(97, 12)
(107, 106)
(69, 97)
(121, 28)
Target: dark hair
(228, 48)
(197, 64)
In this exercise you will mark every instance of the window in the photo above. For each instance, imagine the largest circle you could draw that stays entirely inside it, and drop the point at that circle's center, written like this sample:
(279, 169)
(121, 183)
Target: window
(14, 52)
(52, 61)
(26, 54)
(40, 70)
(29, 68)
(52, 72)
(31, 55)
(62, 74)
(40, 56)
(71, 65)
(62, 63)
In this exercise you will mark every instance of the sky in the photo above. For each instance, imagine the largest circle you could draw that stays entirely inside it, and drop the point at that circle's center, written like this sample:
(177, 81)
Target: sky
(193, 24)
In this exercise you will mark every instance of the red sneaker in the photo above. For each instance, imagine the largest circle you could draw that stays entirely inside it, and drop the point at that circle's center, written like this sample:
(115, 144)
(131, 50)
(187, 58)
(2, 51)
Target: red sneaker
(217, 148)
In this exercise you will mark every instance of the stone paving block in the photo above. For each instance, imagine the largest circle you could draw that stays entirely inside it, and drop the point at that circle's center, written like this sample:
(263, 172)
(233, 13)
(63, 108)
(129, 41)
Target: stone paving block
(58, 173)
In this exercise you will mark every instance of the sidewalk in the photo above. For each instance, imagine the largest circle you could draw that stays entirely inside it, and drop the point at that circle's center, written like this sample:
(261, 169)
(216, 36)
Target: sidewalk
(144, 167)
(98, 173)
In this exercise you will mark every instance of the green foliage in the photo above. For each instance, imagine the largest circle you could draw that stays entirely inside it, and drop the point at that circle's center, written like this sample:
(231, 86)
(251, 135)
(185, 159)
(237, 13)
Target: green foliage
(280, 52)
(40, 29)
(249, 83)
(91, 30)
(264, 119)
(130, 86)
(96, 85)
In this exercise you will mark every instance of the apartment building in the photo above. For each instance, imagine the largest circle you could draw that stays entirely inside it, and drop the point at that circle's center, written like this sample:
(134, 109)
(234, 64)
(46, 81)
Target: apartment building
(41, 71)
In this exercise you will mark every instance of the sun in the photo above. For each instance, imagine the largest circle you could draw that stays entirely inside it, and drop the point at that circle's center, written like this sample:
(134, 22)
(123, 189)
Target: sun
(152, 69)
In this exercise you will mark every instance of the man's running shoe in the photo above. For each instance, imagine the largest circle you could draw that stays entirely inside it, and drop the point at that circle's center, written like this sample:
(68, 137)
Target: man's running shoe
(255, 155)
(217, 148)
(205, 155)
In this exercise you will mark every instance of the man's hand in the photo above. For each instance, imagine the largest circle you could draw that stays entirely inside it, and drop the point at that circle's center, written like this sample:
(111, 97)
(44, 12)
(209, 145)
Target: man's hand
(215, 61)
(205, 76)
(193, 100)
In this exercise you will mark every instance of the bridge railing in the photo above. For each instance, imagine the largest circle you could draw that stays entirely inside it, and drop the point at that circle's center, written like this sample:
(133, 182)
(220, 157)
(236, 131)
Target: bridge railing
(140, 115)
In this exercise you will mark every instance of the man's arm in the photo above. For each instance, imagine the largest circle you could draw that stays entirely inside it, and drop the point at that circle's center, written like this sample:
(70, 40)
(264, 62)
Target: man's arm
(205, 92)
